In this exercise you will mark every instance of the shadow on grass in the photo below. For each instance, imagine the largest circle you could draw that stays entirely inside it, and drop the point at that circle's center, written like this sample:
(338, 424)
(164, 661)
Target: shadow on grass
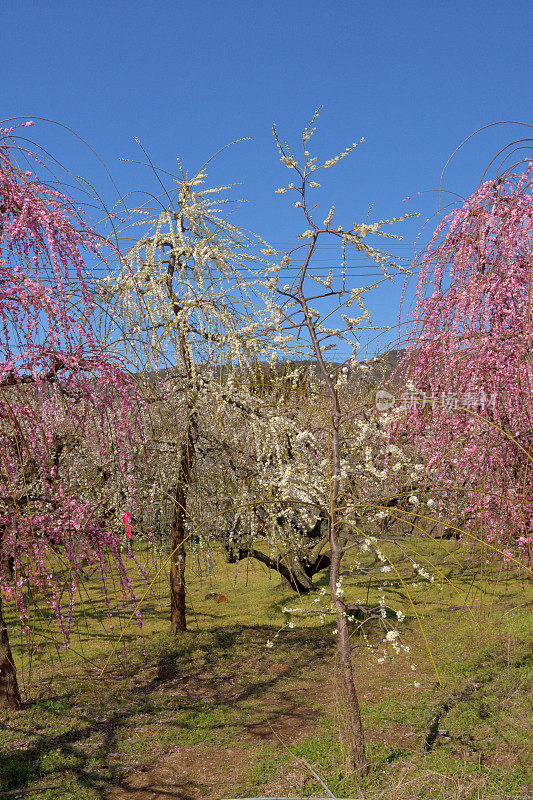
(200, 686)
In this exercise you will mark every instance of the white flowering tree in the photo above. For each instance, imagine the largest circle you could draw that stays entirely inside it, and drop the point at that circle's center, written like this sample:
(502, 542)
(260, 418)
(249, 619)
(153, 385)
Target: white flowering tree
(335, 462)
(319, 462)
(183, 296)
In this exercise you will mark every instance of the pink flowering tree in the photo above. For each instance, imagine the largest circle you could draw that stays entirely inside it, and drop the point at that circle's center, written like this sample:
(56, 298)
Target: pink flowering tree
(70, 432)
(469, 359)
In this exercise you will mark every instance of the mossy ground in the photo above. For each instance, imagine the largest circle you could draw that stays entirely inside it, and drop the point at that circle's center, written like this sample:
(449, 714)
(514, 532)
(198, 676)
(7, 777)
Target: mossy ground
(216, 713)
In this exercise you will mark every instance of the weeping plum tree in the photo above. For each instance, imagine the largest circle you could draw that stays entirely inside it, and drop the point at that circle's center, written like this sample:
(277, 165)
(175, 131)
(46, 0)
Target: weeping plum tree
(68, 412)
(183, 295)
(469, 357)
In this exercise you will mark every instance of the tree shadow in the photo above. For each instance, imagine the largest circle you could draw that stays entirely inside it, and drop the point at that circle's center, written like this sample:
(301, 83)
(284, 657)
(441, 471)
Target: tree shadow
(230, 687)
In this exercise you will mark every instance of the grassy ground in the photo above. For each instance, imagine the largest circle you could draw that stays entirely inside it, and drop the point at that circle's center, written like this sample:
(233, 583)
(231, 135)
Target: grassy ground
(217, 713)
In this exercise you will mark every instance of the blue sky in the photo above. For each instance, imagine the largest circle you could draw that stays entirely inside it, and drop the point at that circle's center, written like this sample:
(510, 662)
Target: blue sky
(414, 78)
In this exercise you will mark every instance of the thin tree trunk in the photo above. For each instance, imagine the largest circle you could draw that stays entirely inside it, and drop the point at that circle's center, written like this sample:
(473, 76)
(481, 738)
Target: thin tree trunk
(354, 736)
(351, 712)
(354, 739)
(353, 728)
(178, 620)
(9, 690)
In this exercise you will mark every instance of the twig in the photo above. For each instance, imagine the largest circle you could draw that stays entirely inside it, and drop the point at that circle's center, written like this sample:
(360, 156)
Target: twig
(27, 790)
(303, 760)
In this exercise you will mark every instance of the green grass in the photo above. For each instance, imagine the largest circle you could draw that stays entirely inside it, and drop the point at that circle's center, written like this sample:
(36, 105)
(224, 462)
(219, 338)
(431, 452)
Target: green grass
(218, 690)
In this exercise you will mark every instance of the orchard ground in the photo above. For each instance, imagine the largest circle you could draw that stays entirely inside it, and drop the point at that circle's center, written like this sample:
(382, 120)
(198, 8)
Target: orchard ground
(217, 713)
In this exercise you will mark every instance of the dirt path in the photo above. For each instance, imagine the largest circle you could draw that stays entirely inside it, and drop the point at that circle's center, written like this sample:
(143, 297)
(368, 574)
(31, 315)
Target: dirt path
(186, 773)
(208, 772)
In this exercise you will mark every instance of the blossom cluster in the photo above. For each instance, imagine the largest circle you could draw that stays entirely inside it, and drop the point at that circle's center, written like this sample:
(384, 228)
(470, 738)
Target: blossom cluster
(470, 336)
(69, 422)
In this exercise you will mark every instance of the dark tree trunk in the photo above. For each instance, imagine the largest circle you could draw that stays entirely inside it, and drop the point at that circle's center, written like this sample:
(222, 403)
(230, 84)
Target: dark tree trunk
(297, 572)
(9, 690)
(297, 569)
(178, 620)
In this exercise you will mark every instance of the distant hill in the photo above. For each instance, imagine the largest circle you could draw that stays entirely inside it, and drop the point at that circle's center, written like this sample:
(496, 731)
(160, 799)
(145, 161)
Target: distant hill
(381, 368)
(372, 370)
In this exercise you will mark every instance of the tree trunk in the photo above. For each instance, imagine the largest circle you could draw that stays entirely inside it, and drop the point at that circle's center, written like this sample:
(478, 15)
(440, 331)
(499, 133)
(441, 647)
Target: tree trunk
(297, 568)
(9, 690)
(178, 620)
(350, 711)
(296, 573)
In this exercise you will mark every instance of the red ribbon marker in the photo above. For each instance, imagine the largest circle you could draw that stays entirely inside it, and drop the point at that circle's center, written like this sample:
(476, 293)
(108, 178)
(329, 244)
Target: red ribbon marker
(126, 519)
